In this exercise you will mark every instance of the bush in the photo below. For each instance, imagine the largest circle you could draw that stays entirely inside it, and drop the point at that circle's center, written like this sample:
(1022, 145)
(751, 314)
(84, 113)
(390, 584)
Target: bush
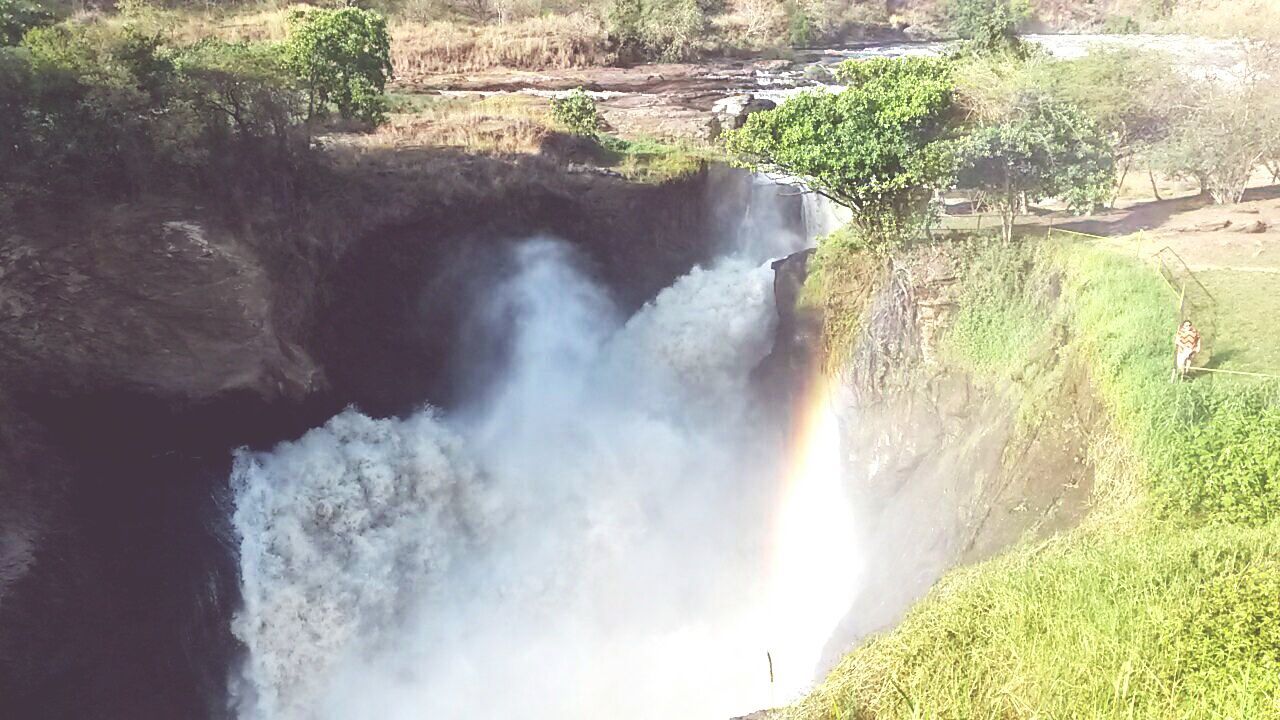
(972, 19)
(577, 112)
(19, 16)
(989, 26)
(1121, 25)
(667, 30)
(799, 27)
(110, 111)
(1235, 625)
(341, 57)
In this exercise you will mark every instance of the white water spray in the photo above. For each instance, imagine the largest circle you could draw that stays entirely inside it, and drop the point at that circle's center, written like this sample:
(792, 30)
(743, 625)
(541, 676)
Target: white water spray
(594, 537)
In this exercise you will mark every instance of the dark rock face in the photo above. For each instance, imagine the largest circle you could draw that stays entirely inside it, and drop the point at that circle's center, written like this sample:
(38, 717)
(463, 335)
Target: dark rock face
(139, 346)
(797, 343)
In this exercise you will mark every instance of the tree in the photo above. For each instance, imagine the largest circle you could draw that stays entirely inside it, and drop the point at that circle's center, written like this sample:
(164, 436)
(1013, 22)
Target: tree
(989, 26)
(879, 147)
(1225, 128)
(1128, 93)
(1046, 149)
(340, 56)
(668, 30)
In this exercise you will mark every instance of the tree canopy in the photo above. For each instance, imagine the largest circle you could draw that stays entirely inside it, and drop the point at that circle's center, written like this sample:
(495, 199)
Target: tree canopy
(341, 56)
(1048, 149)
(878, 147)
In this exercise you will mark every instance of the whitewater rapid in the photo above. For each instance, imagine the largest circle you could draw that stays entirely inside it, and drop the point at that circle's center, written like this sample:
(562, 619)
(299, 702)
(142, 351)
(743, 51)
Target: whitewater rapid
(590, 537)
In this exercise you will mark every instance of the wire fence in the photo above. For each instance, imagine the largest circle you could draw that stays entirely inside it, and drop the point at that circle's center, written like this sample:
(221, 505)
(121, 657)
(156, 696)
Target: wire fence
(1195, 302)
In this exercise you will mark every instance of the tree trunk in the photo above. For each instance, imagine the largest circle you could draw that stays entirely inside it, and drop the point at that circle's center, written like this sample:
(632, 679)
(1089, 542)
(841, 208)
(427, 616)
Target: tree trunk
(1155, 189)
(1124, 175)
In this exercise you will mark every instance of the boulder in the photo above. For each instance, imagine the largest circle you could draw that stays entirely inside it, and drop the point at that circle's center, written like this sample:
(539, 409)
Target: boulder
(730, 113)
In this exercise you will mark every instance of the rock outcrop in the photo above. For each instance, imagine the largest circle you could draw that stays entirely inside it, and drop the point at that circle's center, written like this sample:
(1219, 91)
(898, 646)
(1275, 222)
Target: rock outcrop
(139, 345)
(935, 461)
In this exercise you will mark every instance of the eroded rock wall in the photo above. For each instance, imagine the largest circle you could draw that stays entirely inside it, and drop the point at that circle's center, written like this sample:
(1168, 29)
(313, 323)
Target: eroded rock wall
(140, 344)
(938, 465)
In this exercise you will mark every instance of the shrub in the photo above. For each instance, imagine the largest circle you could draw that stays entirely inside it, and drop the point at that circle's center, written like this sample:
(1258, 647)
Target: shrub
(972, 19)
(109, 111)
(340, 56)
(577, 112)
(989, 26)
(19, 16)
(668, 30)
(1234, 625)
(1224, 457)
(799, 27)
(1121, 25)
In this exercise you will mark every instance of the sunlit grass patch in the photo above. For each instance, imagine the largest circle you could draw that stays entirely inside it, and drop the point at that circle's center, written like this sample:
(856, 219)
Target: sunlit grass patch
(1158, 623)
(649, 160)
(1248, 319)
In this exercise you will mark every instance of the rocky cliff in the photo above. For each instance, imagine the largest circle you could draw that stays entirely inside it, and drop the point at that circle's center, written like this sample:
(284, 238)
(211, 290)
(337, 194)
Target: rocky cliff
(940, 468)
(139, 344)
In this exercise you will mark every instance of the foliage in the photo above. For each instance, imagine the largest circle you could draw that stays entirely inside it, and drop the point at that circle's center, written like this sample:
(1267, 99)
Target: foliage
(648, 160)
(1103, 623)
(341, 56)
(843, 276)
(1210, 447)
(1121, 25)
(1002, 311)
(1163, 607)
(879, 147)
(19, 16)
(800, 30)
(102, 110)
(989, 26)
(1047, 149)
(667, 30)
(1227, 460)
(1226, 129)
(577, 112)
(1233, 626)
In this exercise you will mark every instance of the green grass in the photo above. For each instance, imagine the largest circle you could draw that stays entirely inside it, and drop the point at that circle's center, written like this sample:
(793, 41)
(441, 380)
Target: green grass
(648, 160)
(1157, 623)
(1210, 447)
(1165, 603)
(843, 275)
(1002, 312)
(1248, 306)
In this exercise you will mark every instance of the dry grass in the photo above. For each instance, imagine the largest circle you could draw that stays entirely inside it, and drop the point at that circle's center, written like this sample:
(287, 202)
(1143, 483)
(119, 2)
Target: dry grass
(499, 125)
(242, 23)
(1258, 19)
(420, 48)
(557, 41)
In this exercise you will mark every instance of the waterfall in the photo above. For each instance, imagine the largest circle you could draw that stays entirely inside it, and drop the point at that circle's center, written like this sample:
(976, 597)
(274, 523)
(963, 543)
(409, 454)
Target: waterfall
(585, 539)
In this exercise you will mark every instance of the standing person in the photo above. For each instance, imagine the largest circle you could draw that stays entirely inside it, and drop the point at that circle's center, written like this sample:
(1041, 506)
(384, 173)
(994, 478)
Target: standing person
(1186, 343)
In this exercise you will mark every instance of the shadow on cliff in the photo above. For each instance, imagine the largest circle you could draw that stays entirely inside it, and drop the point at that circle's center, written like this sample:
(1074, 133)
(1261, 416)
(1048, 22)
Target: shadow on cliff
(142, 343)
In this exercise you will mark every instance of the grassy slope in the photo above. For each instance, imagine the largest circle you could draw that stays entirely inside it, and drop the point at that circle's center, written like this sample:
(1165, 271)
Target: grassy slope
(1166, 601)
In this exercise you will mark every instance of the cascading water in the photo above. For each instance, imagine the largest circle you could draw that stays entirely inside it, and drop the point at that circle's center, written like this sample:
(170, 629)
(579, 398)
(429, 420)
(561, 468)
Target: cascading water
(616, 528)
